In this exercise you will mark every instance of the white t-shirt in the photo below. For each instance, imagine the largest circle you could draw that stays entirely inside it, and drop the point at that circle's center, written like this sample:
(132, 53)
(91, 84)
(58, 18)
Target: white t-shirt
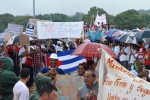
(117, 50)
(122, 57)
(22, 50)
(20, 91)
(127, 50)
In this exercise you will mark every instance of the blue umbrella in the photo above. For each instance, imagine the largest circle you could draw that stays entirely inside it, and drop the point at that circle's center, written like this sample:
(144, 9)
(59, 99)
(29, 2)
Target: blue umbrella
(110, 32)
(1, 40)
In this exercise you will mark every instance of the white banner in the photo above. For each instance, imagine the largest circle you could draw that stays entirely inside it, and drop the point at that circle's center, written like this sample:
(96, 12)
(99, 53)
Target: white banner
(117, 83)
(49, 30)
(100, 19)
(14, 29)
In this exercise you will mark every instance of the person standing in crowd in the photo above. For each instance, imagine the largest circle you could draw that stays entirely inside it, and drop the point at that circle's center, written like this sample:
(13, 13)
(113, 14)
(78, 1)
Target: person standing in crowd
(89, 90)
(7, 79)
(50, 48)
(22, 55)
(117, 49)
(140, 71)
(65, 48)
(147, 58)
(58, 46)
(14, 56)
(91, 65)
(28, 64)
(2, 55)
(123, 58)
(142, 50)
(39, 82)
(81, 69)
(20, 90)
(52, 70)
(48, 92)
(38, 60)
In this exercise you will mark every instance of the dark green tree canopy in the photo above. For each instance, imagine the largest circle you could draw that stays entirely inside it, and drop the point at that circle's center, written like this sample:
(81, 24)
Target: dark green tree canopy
(126, 20)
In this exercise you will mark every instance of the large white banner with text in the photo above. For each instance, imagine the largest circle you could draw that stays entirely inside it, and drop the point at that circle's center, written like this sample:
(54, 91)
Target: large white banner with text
(49, 30)
(117, 83)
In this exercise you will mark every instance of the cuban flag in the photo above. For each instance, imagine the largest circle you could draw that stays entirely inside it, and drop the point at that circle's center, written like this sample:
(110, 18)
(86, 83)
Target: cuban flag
(67, 62)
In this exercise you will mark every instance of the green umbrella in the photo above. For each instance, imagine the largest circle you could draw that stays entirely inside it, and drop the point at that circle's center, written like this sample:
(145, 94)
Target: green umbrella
(143, 34)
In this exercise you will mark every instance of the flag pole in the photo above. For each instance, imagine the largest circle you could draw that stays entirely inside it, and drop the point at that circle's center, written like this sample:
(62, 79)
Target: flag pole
(33, 8)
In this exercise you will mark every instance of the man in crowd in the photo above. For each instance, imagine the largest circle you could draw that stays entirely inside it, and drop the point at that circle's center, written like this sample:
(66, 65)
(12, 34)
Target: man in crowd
(89, 90)
(52, 70)
(20, 90)
(22, 54)
(140, 70)
(14, 56)
(39, 83)
(48, 92)
(81, 69)
(38, 60)
(7, 79)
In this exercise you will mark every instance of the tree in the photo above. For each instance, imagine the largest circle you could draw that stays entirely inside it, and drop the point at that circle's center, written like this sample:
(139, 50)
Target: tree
(4, 20)
(78, 17)
(129, 19)
(22, 20)
(90, 17)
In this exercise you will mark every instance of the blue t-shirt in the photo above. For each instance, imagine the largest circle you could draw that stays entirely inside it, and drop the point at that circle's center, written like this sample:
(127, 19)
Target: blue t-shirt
(46, 69)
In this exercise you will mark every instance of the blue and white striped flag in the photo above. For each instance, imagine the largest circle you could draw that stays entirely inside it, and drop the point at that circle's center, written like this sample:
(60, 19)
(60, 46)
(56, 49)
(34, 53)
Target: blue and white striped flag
(69, 63)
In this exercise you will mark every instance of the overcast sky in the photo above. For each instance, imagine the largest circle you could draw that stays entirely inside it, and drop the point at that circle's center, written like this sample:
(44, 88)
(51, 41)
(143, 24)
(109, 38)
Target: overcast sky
(69, 7)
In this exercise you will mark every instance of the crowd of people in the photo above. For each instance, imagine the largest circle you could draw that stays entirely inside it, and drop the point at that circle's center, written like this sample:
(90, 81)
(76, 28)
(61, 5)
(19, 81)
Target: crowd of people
(22, 67)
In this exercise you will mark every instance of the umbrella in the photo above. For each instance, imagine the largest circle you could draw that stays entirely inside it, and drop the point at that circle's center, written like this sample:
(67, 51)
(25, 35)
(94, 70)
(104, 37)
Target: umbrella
(91, 50)
(143, 34)
(15, 39)
(128, 38)
(110, 32)
(118, 33)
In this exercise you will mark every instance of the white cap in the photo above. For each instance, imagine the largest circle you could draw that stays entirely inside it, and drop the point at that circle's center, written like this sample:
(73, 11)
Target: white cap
(53, 56)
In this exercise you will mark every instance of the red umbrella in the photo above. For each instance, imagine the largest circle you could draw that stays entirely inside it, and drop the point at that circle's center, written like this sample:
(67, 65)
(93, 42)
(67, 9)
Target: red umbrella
(91, 50)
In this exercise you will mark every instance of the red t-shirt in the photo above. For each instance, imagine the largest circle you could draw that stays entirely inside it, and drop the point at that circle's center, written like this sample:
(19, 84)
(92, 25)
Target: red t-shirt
(147, 62)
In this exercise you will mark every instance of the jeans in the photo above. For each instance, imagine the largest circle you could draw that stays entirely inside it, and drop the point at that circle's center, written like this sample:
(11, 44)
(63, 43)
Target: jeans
(35, 72)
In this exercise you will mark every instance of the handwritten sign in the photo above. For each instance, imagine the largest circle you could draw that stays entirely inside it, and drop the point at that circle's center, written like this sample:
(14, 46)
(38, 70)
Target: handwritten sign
(49, 30)
(6, 37)
(34, 21)
(24, 39)
(117, 83)
(68, 85)
(14, 29)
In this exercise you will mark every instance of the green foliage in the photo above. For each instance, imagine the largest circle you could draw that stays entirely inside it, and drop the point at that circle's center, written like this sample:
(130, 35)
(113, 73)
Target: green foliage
(126, 20)
(4, 20)
(130, 19)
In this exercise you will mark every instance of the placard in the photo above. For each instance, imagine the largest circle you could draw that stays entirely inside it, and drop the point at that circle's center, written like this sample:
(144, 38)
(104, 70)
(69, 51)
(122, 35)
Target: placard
(68, 85)
(14, 29)
(50, 30)
(24, 39)
(6, 37)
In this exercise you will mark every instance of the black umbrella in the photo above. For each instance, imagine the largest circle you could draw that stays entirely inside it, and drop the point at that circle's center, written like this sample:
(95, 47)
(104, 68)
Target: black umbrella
(124, 37)
(143, 34)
